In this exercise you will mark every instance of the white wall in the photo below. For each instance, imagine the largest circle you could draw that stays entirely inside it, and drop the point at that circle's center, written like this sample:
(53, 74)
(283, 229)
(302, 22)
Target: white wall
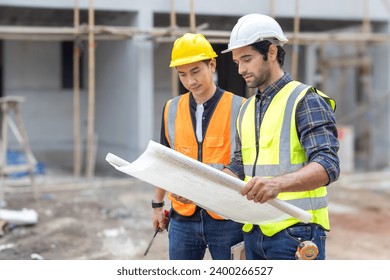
(32, 70)
(125, 95)
(116, 99)
(380, 112)
(162, 74)
(32, 65)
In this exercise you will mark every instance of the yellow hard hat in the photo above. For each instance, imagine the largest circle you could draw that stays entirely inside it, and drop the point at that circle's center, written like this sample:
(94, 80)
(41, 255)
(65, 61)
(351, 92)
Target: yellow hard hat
(191, 48)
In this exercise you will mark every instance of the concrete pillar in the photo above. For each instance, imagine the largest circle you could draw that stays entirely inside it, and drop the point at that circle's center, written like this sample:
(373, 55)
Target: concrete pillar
(380, 104)
(145, 80)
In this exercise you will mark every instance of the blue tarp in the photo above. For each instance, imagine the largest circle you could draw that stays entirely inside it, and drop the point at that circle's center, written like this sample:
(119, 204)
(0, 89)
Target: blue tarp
(17, 157)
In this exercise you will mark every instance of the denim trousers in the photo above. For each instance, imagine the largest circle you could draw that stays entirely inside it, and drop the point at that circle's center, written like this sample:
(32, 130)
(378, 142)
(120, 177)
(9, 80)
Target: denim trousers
(188, 240)
(283, 245)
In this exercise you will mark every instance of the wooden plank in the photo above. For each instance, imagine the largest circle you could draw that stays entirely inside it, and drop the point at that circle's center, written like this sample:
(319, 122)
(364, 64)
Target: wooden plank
(76, 96)
(295, 42)
(28, 33)
(91, 96)
(16, 168)
(174, 77)
(125, 33)
(192, 17)
(347, 61)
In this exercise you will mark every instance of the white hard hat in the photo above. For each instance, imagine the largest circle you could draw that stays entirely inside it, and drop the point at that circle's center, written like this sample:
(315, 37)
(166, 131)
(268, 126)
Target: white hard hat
(255, 28)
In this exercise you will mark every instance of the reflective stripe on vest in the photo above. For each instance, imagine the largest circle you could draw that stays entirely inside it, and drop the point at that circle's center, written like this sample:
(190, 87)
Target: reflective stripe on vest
(218, 144)
(280, 151)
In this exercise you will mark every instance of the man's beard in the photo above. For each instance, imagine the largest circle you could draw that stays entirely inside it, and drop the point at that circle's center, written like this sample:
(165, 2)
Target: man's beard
(260, 78)
(258, 82)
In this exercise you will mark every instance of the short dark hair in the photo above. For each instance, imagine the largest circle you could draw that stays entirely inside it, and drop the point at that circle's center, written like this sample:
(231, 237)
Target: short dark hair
(263, 46)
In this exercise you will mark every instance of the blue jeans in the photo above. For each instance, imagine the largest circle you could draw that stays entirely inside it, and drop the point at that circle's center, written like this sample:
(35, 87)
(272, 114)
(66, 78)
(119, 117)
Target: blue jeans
(284, 244)
(188, 240)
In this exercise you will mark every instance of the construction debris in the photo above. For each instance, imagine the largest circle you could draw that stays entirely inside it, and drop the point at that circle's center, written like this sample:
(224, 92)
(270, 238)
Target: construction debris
(22, 217)
(35, 256)
(6, 246)
(2, 226)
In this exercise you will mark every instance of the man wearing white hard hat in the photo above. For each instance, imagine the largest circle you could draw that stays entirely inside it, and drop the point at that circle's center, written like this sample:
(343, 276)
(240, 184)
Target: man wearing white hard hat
(286, 145)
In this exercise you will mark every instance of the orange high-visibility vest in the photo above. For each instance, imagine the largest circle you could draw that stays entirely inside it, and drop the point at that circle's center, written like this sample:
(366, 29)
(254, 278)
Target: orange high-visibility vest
(218, 143)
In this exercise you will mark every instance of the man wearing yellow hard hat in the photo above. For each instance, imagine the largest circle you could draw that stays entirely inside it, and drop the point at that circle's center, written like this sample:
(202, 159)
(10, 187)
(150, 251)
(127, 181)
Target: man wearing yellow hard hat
(201, 125)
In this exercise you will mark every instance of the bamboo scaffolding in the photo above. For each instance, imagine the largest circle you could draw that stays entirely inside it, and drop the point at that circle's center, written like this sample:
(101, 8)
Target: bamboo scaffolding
(192, 17)
(76, 96)
(92, 33)
(162, 34)
(364, 72)
(271, 8)
(174, 77)
(295, 41)
(91, 96)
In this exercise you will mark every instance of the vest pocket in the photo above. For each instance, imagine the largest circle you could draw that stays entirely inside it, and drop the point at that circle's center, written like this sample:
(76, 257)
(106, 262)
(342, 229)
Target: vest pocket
(186, 150)
(214, 141)
(266, 141)
(248, 153)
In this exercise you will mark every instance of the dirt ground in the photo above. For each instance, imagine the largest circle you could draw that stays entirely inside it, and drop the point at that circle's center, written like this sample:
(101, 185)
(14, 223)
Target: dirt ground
(109, 218)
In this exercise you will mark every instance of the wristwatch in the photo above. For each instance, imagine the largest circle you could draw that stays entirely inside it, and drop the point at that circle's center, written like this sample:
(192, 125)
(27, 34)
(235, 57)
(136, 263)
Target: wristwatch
(157, 204)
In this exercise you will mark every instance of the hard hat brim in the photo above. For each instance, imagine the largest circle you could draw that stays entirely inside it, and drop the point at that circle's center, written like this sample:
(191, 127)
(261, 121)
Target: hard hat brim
(189, 60)
(232, 48)
(248, 43)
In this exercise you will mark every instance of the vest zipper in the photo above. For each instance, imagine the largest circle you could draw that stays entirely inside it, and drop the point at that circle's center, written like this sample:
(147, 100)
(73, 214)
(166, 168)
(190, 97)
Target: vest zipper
(200, 151)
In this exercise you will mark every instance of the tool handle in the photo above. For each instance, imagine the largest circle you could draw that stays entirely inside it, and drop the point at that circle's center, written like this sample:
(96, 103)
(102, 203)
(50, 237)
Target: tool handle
(151, 241)
(166, 219)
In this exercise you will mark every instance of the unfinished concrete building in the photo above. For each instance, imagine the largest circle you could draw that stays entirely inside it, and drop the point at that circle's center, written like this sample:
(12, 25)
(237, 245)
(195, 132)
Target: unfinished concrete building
(342, 47)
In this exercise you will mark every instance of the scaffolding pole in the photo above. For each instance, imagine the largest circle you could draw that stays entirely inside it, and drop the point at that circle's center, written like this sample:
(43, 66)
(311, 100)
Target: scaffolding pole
(295, 46)
(192, 17)
(174, 77)
(76, 96)
(91, 95)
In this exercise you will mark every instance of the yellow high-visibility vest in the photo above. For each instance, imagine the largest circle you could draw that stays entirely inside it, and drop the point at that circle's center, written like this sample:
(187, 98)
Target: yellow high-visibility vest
(280, 152)
(218, 143)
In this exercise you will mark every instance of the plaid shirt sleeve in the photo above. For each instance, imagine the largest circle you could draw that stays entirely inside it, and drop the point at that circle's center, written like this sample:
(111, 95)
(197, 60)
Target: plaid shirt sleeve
(236, 165)
(316, 125)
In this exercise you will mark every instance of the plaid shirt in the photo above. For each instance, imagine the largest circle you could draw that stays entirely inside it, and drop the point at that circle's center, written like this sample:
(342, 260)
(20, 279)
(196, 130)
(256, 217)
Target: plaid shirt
(316, 125)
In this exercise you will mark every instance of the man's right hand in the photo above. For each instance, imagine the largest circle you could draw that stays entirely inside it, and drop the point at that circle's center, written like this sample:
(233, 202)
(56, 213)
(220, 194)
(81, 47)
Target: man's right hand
(158, 218)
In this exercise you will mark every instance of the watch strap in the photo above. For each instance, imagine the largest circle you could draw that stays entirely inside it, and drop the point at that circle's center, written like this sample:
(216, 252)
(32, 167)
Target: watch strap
(157, 204)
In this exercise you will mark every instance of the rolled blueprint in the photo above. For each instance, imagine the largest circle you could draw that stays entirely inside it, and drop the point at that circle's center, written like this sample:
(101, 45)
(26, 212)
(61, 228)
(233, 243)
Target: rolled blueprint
(209, 188)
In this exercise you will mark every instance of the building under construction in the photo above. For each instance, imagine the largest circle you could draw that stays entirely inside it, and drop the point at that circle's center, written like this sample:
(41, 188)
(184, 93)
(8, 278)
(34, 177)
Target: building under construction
(94, 75)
